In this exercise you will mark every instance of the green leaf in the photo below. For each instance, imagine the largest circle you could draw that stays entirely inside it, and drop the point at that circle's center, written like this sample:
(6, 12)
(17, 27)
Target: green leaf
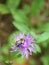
(38, 48)
(21, 27)
(11, 38)
(11, 41)
(5, 49)
(26, 8)
(15, 54)
(43, 37)
(19, 16)
(6, 59)
(13, 4)
(32, 32)
(45, 44)
(1, 58)
(45, 59)
(44, 27)
(32, 62)
(4, 9)
(20, 60)
(36, 6)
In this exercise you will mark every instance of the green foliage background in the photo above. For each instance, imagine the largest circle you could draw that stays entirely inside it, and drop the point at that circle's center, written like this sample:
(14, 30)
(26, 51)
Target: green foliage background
(22, 20)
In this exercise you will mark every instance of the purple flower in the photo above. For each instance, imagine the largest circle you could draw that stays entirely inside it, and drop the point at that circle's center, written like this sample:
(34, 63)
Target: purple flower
(25, 44)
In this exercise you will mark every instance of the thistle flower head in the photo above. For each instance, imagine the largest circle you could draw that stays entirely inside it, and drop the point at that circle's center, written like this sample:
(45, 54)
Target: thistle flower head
(25, 44)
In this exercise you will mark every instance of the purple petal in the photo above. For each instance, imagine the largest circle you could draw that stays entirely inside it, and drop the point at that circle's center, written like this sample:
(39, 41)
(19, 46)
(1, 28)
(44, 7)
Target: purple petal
(22, 51)
(14, 48)
(17, 38)
(21, 35)
(33, 47)
(26, 43)
(29, 38)
(26, 53)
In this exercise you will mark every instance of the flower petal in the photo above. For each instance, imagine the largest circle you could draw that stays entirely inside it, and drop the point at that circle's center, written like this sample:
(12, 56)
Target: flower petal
(21, 35)
(13, 49)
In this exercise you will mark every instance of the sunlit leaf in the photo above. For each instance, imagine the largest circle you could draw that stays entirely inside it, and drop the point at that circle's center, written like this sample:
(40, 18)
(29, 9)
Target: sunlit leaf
(20, 16)
(21, 27)
(43, 37)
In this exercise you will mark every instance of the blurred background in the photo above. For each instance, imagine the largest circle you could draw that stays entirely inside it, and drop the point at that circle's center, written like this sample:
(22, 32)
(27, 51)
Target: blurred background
(22, 15)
